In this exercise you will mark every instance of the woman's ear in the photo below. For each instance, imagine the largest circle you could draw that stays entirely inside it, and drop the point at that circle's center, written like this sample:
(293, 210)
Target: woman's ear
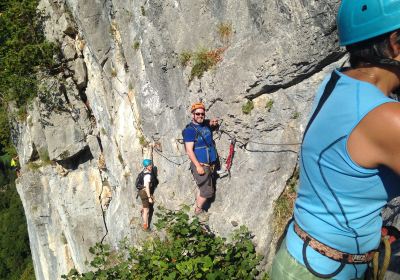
(394, 41)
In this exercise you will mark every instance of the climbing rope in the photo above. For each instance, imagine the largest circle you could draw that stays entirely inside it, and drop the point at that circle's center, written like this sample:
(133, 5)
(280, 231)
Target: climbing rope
(379, 272)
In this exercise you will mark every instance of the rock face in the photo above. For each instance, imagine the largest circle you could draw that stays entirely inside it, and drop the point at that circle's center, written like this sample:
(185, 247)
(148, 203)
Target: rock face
(124, 84)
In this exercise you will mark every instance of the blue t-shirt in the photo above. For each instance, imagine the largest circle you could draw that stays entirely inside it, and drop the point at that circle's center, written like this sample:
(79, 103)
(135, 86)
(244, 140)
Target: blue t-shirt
(339, 202)
(201, 135)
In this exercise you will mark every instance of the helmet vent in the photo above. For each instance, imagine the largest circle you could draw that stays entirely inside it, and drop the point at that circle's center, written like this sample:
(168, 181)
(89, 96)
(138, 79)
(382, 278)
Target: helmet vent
(364, 8)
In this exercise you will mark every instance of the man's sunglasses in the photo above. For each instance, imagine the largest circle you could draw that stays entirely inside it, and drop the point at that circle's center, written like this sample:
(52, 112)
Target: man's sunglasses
(200, 114)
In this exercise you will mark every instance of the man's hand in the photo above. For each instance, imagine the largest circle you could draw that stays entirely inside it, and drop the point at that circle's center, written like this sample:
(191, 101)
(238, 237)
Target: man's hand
(214, 122)
(200, 170)
(151, 199)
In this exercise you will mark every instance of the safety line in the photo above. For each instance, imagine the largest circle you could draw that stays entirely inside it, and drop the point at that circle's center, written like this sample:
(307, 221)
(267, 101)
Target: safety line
(168, 159)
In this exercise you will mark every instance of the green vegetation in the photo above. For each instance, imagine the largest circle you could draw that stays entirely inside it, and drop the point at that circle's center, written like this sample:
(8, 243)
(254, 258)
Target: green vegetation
(15, 256)
(248, 107)
(269, 104)
(23, 52)
(44, 156)
(283, 207)
(186, 251)
(33, 166)
(142, 141)
(204, 60)
(143, 11)
(120, 159)
(44, 159)
(185, 58)
(225, 32)
(113, 72)
(201, 61)
(136, 45)
(296, 115)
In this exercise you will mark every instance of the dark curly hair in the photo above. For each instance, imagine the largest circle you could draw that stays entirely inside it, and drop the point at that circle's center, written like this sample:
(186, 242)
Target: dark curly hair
(373, 51)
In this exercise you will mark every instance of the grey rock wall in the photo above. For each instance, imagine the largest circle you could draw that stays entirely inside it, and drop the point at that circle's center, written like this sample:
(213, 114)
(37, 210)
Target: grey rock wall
(122, 84)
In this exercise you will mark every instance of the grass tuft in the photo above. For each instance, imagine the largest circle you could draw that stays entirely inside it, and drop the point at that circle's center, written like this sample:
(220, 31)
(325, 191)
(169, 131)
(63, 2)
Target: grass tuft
(225, 31)
(283, 207)
(248, 107)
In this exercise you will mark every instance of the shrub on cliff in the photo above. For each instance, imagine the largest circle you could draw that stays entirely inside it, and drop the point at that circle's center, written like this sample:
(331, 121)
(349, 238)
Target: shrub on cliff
(188, 250)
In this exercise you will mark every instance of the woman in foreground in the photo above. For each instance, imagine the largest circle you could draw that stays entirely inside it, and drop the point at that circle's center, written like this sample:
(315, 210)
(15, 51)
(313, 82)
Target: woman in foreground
(350, 155)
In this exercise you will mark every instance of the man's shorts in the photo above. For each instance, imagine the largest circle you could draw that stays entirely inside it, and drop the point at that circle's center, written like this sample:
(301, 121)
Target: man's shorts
(145, 200)
(205, 181)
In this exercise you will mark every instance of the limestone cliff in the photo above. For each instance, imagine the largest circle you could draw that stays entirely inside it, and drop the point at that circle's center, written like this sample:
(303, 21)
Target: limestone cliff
(124, 84)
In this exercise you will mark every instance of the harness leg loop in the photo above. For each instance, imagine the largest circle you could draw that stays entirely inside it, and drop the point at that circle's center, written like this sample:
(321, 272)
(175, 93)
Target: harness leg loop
(324, 276)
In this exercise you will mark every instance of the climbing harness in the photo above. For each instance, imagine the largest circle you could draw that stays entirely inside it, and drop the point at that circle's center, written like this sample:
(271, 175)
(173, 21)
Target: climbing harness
(207, 146)
(329, 252)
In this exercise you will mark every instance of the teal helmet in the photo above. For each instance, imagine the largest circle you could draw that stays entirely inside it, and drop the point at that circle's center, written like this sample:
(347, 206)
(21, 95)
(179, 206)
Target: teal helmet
(147, 162)
(359, 20)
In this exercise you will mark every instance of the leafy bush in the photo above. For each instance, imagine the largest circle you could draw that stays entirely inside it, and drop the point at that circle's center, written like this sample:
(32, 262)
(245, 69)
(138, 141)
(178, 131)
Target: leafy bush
(188, 251)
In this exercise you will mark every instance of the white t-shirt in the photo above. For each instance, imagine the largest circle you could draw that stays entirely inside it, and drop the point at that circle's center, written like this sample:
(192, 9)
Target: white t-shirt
(147, 178)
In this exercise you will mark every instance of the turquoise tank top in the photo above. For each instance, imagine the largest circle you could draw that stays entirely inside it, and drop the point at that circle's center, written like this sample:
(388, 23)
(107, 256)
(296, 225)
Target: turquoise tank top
(339, 202)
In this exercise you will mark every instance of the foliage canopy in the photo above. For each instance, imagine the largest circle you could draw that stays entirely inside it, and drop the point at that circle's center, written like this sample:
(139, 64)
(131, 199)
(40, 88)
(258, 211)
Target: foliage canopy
(189, 250)
(23, 52)
(15, 255)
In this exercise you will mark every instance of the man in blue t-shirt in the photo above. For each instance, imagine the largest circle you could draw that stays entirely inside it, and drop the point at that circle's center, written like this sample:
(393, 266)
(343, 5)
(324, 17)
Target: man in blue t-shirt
(201, 150)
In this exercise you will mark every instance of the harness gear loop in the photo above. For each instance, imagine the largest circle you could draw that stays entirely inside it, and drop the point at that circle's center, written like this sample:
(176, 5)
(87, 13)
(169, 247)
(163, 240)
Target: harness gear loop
(324, 276)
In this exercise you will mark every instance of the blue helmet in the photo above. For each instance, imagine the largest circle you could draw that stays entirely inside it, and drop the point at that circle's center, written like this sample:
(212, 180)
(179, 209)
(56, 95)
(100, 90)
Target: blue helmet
(147, 162)
(359, 20)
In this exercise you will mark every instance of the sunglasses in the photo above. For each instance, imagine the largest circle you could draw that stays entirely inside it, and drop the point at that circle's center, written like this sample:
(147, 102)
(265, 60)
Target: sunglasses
(200, 114)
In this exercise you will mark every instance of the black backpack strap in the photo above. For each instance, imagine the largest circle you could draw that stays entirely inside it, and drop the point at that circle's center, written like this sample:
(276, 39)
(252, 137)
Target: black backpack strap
(330, 86)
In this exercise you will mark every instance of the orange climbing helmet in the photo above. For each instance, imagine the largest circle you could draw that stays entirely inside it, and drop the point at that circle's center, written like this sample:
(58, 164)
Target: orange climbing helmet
(198, 105)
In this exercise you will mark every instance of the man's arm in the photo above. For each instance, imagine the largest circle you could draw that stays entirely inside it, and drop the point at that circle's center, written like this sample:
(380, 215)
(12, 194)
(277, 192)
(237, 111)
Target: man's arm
(189, 151)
